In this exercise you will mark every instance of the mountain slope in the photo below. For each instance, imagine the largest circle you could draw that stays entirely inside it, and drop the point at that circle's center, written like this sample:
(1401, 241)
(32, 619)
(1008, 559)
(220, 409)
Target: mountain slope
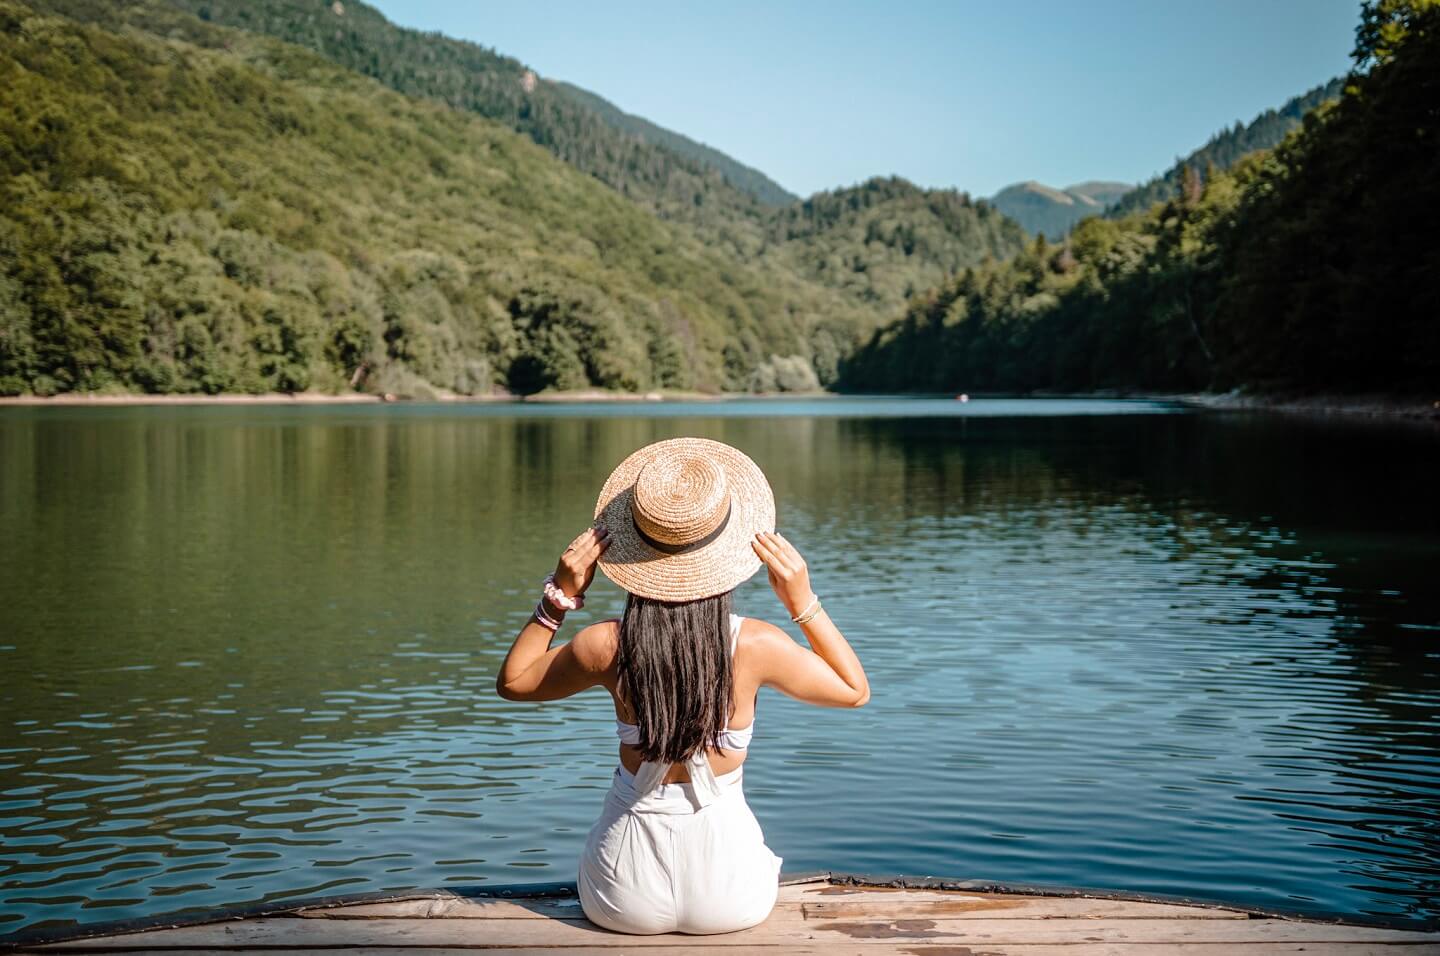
(578, 128)
(1225, 149)
(470, 77)
(887, 239)
(1045, 210)
(204, 209)
(1101, 191)
(739, 175)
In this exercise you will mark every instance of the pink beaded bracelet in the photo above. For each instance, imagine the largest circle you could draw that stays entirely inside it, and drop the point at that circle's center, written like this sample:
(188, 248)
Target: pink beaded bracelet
(559, 598)
(544, 619)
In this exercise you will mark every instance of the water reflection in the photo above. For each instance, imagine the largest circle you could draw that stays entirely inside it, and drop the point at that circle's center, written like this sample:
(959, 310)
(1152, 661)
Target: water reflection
(250, 652)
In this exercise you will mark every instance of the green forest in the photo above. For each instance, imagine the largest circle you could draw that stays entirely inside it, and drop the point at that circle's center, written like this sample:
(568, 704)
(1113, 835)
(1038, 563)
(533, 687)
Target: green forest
(209, 196)
(188, 207)
(1306, 269)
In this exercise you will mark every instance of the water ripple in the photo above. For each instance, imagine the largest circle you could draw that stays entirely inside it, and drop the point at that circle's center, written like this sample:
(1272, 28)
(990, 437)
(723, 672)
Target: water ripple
(1157, 652)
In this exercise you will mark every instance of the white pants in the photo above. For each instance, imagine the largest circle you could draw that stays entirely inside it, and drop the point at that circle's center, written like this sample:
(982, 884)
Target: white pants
(660, 863)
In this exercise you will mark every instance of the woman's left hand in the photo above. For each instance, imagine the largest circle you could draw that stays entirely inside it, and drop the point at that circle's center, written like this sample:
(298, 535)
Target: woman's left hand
(576, 568)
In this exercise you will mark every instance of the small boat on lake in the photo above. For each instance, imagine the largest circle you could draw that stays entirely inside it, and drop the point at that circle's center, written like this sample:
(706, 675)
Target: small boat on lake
(823, 913)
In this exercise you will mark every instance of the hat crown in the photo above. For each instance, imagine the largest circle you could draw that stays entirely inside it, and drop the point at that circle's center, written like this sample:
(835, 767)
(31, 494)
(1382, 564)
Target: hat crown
(680, 498)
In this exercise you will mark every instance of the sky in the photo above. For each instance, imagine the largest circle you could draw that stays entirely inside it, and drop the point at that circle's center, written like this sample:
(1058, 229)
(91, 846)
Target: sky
(970, 95)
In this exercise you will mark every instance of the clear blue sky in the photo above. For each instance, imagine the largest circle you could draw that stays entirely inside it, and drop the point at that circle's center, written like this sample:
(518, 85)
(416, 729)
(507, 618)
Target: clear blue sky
(966, 94)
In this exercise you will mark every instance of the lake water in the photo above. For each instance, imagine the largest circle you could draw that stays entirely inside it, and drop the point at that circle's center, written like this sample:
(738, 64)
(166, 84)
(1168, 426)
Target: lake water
(249, 653)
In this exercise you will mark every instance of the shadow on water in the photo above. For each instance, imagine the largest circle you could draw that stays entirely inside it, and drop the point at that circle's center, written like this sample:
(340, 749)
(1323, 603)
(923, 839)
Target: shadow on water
(252, 651)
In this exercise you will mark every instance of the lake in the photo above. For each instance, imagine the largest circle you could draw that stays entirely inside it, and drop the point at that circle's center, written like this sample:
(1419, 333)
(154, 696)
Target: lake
(249, 652)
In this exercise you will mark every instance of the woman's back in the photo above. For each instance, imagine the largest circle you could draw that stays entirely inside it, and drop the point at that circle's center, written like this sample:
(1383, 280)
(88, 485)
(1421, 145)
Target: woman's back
(733, 741)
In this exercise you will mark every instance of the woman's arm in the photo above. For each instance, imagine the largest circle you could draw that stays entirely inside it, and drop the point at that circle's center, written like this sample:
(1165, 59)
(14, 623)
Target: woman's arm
(828, 674)
(533, 670)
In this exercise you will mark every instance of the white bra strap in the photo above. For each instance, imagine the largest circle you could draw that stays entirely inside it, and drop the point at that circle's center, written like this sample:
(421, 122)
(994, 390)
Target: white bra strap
(702, 778)
(735, 622)
(649, 776)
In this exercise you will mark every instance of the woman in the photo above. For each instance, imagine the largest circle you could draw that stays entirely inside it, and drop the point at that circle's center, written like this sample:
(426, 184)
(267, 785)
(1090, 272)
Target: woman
(679, 525)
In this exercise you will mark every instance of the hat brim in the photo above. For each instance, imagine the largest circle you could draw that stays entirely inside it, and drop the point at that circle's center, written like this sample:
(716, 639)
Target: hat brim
(719, 564)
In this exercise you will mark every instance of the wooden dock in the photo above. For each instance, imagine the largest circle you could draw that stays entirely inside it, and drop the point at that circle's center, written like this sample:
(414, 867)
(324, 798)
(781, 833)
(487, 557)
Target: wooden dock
(816, 915)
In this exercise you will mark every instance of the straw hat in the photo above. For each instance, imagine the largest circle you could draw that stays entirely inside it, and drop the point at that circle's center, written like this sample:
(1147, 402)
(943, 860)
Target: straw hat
(681, 515)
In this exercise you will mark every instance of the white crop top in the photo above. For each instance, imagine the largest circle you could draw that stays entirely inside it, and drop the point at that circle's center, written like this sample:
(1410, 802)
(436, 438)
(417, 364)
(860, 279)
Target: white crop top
(731, 738)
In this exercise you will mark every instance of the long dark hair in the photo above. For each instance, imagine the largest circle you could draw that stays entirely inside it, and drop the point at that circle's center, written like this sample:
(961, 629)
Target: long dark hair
(674, 670)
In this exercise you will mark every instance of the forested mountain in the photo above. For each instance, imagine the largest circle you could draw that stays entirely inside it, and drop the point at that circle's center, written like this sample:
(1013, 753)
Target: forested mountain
(739, 175)
(887, 239)
(1050, 212)
(190, 206)
(451, 259)
(1225, 149)
(724, 202)
(1303, 269)
(468, 76)
(204, 209)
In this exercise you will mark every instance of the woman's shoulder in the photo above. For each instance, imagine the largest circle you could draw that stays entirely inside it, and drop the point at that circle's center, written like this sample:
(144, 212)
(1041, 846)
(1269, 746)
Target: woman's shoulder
(596, 645)
(758, 634)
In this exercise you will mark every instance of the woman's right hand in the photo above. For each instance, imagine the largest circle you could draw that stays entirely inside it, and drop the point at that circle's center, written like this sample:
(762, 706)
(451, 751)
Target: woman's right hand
(576, 567)
(788, 574)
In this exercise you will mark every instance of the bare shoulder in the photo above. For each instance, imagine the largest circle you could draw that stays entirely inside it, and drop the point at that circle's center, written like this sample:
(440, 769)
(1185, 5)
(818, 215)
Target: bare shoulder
(595, 646)
(759, 636)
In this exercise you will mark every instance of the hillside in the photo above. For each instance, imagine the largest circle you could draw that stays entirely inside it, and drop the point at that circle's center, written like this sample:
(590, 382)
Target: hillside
(737, 174)
(1226, 148)
(887, 239)
(720, 292)
(467, 76)
(724, 203)
(211, 210)
(1304, 269)
(1045, 210)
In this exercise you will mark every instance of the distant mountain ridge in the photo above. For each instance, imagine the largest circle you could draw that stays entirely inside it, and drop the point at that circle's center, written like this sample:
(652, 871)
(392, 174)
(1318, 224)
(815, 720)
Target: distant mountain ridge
(1225, 148)
(1045, 210)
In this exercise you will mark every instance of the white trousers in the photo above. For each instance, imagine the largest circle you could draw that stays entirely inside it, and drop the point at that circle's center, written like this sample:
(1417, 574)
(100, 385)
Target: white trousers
(659, 862)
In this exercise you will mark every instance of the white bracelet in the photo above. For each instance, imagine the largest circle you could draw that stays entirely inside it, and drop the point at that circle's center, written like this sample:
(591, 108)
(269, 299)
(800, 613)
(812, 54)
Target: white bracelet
(811, 609)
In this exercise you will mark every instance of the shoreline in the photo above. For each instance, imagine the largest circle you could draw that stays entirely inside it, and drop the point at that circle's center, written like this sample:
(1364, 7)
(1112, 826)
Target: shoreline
(1385, 407)
(1347, 406)
(84, 399)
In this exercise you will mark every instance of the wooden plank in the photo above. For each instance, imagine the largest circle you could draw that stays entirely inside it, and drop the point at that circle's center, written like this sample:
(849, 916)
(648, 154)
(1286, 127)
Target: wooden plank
(452, 907)
(781, 928)
(988, 907)
(872, 949)
(807, 892)
(931, 905)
